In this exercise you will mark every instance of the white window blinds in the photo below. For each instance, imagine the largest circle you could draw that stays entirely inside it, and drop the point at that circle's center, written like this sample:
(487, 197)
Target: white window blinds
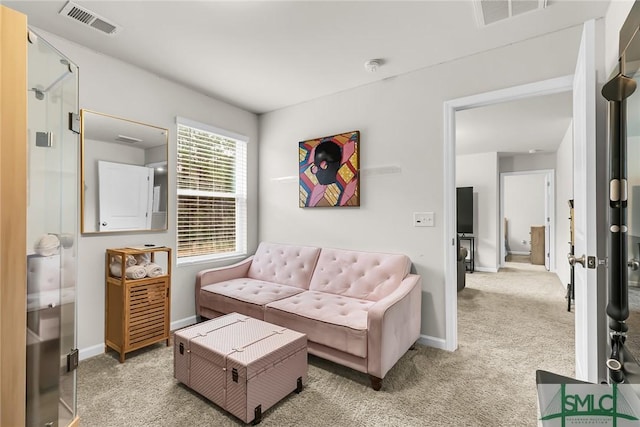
(212, 192)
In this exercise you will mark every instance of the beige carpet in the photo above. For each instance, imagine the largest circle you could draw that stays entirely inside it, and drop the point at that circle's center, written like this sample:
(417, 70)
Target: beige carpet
(510, 324)
(633, 340)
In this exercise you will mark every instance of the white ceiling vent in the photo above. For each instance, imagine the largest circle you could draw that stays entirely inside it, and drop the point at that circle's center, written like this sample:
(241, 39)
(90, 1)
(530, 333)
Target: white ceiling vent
(490, 11)
(86, 17)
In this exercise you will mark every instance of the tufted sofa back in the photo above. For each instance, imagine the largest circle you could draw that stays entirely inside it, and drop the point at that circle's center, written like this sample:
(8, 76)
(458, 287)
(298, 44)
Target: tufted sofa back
(364, 275)
(284, 264)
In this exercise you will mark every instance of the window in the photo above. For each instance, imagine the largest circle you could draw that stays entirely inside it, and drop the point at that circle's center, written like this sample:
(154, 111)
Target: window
(212, 192)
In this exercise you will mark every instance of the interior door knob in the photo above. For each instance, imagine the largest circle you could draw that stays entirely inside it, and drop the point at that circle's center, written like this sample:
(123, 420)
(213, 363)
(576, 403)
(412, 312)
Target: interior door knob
(633, 264)
(573, 260)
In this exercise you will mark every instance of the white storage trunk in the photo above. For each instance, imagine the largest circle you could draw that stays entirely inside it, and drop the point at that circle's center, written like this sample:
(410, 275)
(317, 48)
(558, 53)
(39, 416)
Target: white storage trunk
(241, 364)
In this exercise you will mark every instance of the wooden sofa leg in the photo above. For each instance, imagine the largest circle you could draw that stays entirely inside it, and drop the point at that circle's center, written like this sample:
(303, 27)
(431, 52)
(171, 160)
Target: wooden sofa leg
(376, 383)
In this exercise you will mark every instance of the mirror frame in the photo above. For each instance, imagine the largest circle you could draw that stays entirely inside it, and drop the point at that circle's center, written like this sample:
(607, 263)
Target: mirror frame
(83, 230)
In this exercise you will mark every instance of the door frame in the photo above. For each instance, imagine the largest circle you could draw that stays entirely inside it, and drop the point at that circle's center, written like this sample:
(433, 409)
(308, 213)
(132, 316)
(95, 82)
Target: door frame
(540, 88)
(548, 208)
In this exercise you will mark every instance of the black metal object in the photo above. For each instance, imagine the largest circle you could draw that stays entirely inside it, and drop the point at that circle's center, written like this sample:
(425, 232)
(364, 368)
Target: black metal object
(571, 292)
(257, 415)
(74, 122)
(470, 264)
(299, 385)
(234, 375)
(72, 360)
(616, 91)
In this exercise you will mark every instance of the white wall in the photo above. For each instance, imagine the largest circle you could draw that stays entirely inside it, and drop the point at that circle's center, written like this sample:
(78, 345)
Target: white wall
(401, 124)
(524, 200)
(484, 181)
(113, 87)
(564, 193)
(527, 162)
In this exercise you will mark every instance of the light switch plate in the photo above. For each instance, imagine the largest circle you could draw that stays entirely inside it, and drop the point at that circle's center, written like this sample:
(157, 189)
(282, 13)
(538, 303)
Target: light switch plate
(424, 219)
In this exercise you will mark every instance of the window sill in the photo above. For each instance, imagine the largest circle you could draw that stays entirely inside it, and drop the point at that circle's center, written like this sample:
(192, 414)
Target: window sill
(208, 259)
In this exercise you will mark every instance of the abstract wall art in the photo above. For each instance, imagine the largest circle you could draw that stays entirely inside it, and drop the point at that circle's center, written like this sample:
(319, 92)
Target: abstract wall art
(329, 171)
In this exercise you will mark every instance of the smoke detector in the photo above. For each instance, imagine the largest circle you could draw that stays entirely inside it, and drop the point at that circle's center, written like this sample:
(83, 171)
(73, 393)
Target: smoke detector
(85, 16)
(490, 11)
(372, 65)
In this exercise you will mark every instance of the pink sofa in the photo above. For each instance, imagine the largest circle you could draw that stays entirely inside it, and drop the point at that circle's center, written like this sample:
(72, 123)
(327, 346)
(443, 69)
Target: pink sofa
(359, 309)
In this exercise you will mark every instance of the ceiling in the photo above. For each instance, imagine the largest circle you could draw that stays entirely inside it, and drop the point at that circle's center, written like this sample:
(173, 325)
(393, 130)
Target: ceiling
(101, 127)
(515, 127)
(266, 55)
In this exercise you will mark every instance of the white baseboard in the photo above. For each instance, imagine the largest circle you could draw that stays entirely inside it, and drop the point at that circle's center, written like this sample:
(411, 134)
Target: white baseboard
(430, 341)
(487, 269)
(187, 321)
(88, 352)
(94, 350)
(519, 253)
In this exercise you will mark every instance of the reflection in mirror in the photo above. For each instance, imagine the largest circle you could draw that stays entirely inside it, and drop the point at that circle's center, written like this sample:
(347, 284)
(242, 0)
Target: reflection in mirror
(124, 174)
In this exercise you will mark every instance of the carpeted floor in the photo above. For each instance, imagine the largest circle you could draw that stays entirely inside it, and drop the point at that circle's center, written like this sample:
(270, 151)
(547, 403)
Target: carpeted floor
(510, 324)
(633, 336)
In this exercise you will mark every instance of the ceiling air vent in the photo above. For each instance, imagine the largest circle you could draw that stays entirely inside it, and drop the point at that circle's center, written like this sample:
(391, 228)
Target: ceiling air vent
(490, 11)
(86, 17)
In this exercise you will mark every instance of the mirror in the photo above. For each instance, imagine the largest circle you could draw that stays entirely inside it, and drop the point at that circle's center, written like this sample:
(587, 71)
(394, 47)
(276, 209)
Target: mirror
(124, 179)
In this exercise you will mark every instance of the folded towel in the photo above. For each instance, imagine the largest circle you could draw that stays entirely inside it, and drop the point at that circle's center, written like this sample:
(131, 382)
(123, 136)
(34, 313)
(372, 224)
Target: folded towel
(133, 272)
(47, 245)
(153, 270)
(143, 259)
(130, 260)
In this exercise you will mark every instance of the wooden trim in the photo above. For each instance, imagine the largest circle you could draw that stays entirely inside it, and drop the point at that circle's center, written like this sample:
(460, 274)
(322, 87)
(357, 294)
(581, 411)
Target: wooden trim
(75, 422)
(13, 215)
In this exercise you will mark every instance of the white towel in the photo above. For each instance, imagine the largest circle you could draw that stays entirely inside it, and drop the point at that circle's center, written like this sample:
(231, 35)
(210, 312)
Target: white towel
(143, 259)
(130, 260)
(153, 270)
(133, 272)
(47, 245)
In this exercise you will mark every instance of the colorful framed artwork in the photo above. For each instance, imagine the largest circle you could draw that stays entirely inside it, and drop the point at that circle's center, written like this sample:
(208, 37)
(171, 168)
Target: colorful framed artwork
(330, 171)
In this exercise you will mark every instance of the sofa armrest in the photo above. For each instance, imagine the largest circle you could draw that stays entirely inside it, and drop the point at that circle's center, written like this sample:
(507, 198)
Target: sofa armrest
(394, 325)
(220, 274)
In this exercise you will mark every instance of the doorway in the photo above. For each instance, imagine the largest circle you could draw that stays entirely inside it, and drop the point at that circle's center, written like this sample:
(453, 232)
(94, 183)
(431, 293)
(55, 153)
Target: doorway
(527, 213)
(589, 281)
(547, 87)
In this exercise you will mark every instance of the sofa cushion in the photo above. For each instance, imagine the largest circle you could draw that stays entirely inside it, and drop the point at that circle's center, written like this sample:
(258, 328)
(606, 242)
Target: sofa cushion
(362, 275)
(332, 320)
(223, 296)
(285, 264)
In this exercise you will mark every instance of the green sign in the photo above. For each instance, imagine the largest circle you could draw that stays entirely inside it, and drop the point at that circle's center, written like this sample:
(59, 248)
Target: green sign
(588, 404)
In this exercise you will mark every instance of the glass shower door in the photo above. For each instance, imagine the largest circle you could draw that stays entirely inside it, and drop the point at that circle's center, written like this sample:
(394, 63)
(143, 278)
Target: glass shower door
(51, 236)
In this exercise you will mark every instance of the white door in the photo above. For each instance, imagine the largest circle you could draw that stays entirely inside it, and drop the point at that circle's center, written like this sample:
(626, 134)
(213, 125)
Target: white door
(125, 195)
(584, 195)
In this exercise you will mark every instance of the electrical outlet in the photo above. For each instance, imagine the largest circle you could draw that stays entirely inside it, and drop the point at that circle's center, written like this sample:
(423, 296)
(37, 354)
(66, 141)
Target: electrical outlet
(424, 219)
